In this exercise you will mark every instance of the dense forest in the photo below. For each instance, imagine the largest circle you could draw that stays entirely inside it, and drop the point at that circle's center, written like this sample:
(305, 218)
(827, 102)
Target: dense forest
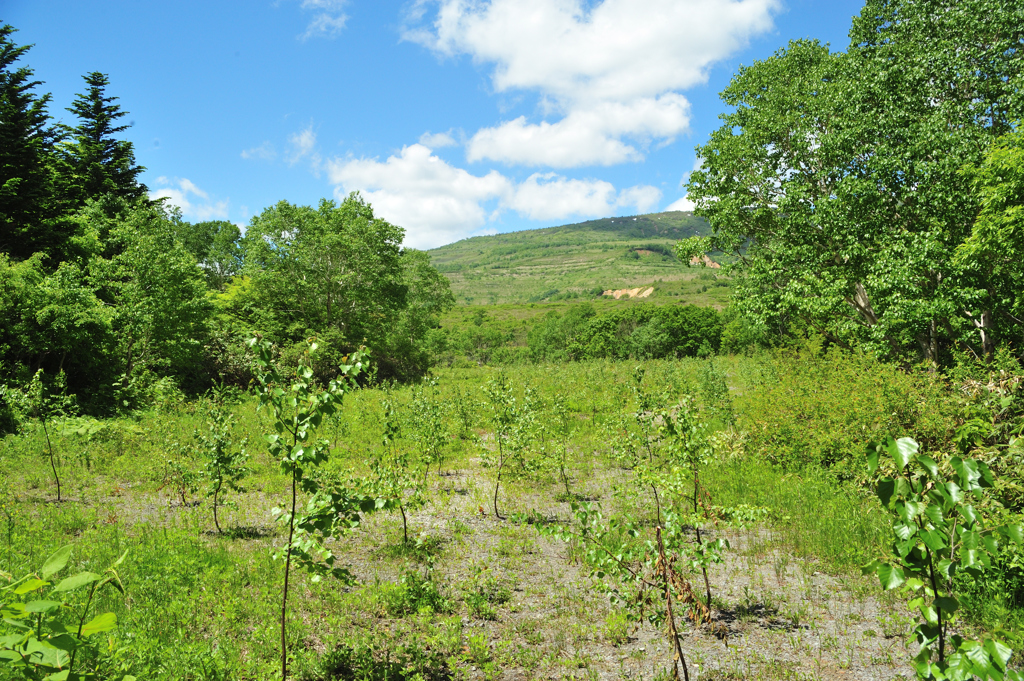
(284, 451)
(109, 297)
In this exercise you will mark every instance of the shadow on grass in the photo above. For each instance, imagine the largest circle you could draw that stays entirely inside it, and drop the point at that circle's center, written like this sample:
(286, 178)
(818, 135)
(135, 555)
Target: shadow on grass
(422, 549)
(247, 532)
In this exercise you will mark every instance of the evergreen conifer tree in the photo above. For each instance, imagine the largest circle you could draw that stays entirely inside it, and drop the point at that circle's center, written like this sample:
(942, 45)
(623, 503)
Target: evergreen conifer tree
(26, 143)
(99, 163)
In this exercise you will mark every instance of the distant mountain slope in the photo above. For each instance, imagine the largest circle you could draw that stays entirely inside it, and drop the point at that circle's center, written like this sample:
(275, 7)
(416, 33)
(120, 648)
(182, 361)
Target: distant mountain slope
(569, 261)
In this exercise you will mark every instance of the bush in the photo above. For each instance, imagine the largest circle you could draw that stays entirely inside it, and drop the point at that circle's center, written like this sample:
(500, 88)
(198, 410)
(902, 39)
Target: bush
(821, 408)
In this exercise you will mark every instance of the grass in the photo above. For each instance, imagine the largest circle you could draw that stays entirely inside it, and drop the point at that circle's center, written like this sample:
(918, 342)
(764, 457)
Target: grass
(472, 597)
(573, 262)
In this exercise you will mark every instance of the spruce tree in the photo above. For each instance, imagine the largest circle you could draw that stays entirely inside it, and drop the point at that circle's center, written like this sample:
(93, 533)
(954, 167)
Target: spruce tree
(99, 163)
(26, 167)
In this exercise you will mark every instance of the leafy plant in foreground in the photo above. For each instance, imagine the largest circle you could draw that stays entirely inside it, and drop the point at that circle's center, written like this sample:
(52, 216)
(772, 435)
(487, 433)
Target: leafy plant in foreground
(299, 407)
(225, 459)
(645, 577)
(939, 532)
(35, 638)
(429, 430)
(513, 422)
(689, 446)
(390, 474)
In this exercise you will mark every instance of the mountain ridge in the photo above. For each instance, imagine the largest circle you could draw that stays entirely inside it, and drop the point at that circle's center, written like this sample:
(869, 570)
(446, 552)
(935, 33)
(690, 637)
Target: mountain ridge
(576, 260)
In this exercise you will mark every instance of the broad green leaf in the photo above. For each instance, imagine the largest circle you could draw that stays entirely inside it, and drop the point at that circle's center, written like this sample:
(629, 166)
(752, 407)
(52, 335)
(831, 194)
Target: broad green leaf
(946, 568)
(42, 606)
(76, 582)
(1015, 533)
(999, 651)
(902, 450)
(934, 513)
(29, 585)
(872, 458)
(56, 562)
(104, 622)
(978, 655)
(929, 465)
(885, 490)
(947, 604)
(58, 676)
(119, 560)
(933, 539)
(890, 576)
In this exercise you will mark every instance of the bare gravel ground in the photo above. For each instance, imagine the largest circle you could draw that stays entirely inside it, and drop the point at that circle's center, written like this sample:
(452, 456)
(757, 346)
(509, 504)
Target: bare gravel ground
(776, 617)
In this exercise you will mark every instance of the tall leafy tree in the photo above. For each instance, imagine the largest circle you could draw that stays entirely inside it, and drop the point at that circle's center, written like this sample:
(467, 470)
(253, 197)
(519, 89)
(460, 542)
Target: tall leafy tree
(339, 271)
(26, 143)
(839, 176)
(216, 247)
(98, 163)
(330, 267)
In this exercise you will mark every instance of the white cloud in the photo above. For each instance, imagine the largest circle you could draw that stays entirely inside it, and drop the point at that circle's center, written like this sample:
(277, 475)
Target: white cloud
(303, 145)
(611, 68)
(613, 50)
(434, 201)
(328, 19)
(681, 204)
(643, 197)
(437, 202)
(549, 196)
(437, 140)
(178, 194)
(586, 136)
(264, 152)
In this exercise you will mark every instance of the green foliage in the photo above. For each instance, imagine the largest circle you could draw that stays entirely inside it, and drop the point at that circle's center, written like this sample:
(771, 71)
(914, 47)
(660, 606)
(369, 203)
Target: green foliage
(298, 411)
(412, 594)
(940, 529)
(839, 178)
(339, 268)
(225, 458)
(42, 638)
(820, 408)
(513, 420)
(641, 331)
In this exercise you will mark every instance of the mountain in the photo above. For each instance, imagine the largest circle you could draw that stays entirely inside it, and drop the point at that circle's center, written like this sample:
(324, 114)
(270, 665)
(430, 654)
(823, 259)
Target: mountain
(576, 261)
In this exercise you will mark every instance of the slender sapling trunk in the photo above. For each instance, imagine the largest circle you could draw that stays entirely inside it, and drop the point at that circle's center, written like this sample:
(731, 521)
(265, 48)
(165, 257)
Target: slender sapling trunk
(53, 463)
(284, 597)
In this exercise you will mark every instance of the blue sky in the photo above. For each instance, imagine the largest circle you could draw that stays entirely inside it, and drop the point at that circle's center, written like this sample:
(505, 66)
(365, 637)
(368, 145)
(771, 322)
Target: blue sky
(452, 117)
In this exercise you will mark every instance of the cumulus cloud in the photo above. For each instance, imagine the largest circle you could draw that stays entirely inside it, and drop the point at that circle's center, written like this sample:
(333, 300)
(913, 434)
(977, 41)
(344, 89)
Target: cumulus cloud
(264, 152)
(614, 50)
(193, 201)
(437, 140)
(681, 204)
(586, 136)
(437, 202)
(434, 201)
(328, 18)
(611, 68)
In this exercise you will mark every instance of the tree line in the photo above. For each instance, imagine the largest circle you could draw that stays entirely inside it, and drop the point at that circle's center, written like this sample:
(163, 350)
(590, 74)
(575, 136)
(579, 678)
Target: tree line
(113, 297)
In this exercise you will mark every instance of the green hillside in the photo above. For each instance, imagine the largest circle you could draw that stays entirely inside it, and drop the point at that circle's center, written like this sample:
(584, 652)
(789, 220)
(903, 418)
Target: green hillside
(576, 261)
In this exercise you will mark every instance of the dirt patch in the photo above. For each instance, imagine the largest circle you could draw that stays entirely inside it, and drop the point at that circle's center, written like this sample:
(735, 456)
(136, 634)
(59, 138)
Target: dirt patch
(639, 292)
